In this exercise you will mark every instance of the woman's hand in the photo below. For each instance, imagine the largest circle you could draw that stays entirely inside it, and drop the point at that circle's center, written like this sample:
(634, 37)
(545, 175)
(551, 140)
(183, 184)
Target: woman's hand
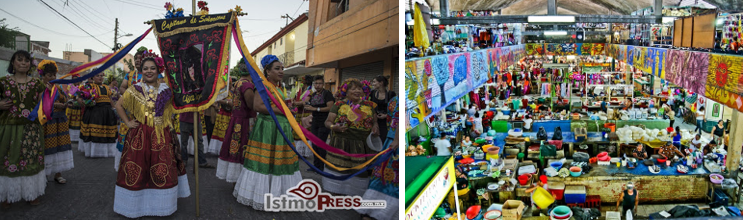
(132, 124)
(381, 116)
(339, 128)
(5, 104)
(375, 130)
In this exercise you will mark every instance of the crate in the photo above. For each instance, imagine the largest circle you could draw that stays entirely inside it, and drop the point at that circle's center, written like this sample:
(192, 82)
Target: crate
(593, 201)
(575, 194)
(721, 197)
(610, 215)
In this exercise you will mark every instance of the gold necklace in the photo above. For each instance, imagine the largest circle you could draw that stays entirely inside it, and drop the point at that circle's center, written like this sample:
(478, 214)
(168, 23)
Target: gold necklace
(150, 97)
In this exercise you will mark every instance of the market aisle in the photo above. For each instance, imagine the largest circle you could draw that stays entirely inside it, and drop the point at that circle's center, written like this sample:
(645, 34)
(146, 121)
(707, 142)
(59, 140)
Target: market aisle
(89, 194)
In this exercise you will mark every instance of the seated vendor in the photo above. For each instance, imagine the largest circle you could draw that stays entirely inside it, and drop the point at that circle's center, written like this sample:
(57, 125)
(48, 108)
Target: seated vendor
(669, 151)
(640, 152)
(696, 143)
(709, 147)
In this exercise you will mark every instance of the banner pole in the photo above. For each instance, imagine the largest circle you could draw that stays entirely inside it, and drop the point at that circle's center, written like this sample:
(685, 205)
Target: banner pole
(196, 157)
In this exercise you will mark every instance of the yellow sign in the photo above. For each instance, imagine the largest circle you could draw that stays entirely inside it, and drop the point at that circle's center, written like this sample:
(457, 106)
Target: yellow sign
(431, 197)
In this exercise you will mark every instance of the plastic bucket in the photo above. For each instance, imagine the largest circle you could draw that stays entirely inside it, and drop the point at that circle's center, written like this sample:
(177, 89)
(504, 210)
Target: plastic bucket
(524, 178)
(575, 171)
(542, 198)
(611, 126)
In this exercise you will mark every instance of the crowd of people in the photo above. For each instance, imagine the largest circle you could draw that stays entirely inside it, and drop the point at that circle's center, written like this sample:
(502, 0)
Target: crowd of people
(137, 124)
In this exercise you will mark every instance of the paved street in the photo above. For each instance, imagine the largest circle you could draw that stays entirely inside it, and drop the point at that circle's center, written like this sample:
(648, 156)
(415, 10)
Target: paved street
(89, 194)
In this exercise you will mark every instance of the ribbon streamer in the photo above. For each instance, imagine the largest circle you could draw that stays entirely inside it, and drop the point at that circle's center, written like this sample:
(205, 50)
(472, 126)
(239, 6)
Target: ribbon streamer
(43, 110)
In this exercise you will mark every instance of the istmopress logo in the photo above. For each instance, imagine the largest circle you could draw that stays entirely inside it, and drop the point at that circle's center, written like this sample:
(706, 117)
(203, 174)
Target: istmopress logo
(307, 196)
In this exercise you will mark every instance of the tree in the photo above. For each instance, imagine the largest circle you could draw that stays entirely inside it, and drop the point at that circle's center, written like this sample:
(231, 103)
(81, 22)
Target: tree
(129, 64)
(117, 75)
(7, 34)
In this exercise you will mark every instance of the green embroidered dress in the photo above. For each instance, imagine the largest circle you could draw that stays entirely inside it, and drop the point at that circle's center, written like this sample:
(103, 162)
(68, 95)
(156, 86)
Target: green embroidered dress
(21, 142)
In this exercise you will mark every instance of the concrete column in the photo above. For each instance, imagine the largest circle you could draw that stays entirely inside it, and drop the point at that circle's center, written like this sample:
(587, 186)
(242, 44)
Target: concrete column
(444, 7)
(552, 7)
(736, 142)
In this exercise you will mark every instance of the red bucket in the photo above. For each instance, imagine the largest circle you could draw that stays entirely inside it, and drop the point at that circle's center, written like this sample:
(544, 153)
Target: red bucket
(524, 178)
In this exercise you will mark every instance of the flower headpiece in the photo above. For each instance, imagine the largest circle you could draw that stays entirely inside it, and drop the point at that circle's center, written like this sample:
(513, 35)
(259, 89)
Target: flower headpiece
(141, 49)
(43, 63)
(237, 9)
(267, 60)
(343, 88)
(172, 12)
(158, 60)
(240, 70)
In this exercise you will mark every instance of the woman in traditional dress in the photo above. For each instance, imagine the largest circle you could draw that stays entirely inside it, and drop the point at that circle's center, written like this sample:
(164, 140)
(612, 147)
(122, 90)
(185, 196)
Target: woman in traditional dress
(298, 101)
(22, 174)
(151, 176)
(385, 179)
(231, 157)
(270, 164)
(221, 124)
(75, 108)
(133, 77)
(58, 148)
(351, 121)
(99, 129)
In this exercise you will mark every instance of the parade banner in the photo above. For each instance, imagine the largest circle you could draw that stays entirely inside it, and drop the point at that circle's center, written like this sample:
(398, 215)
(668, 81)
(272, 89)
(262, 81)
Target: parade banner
(196, 54)
(562, 49)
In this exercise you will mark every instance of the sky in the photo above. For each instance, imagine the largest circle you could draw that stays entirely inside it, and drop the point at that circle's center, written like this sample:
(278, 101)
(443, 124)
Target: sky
(97, 17)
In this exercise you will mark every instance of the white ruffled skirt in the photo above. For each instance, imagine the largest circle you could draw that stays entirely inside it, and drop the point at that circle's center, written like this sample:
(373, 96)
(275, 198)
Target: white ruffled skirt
(355, 186)
(58, 162)
(117, 160)
(252, 187)
(390, 212)
(214, 147)
(302, 148)
(13, 189)
(74, 135)
(93, 149)
(150, 202)
(228, 171)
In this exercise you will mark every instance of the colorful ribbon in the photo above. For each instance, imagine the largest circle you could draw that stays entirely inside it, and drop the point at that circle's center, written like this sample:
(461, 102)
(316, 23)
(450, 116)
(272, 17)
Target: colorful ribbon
(107, 62)
(43, 110)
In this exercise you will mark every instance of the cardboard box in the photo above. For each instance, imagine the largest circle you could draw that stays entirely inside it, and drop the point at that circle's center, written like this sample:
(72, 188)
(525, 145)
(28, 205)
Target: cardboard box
(512, 210)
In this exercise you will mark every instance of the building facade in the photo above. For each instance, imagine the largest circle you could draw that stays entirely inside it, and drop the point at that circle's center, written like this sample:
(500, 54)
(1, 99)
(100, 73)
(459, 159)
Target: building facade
(354, 39)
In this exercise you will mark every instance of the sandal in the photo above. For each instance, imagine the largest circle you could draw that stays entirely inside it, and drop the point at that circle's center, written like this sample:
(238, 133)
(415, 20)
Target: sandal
(35, 202)
(60, 180)
(206, 165)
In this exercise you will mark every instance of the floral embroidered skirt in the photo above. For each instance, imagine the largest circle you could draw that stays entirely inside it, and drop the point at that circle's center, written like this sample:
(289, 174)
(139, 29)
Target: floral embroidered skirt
(231, 153)
(220, 128)
(22, 173)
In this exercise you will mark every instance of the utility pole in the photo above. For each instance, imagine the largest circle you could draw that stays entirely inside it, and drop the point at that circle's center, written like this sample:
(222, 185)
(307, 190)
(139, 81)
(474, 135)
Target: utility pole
(287, 17)
(116, 35)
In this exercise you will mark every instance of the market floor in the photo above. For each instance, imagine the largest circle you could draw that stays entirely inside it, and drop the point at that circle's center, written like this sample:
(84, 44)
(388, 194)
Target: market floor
(89, 194)
(643, 211)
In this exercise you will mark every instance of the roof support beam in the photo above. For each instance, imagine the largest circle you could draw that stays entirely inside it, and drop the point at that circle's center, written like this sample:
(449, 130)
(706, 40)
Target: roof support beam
(552, 7)
(444, 6)
(578, 19)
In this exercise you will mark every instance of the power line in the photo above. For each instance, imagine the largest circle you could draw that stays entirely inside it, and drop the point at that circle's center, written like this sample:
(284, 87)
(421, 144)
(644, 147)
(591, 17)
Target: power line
(82, 15)
(37, 26)
(145, 6)
(73, 23)
(109, 9)
(92, 10)
(300, 6)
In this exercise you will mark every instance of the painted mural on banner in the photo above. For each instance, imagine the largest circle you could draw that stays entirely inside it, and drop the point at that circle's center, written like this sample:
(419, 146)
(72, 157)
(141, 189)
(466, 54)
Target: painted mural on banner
(434, 82)
(196, 54)
(715, 76)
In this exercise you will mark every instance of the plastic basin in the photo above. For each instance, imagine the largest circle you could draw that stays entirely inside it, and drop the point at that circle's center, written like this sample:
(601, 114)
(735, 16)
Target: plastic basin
(524, 178)
(542, 198)
(561, 212)
(473, 211)
(716, 178)
(492, 215)
(557, 165)
(575, 171)
(602, 154)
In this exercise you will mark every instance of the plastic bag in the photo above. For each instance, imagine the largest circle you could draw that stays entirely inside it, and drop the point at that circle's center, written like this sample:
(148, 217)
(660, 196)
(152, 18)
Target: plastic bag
(580, 157)
(558, 134)
(374, 142)
(542, 134)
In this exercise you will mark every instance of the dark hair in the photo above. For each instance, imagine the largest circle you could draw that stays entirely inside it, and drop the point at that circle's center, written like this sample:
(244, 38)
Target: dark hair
(701, 108)
(382, 79)
(49, 69)
(353, 84)
(307, 80)
(477, 114)
(23, 53)
(319, 77)
(678, 130)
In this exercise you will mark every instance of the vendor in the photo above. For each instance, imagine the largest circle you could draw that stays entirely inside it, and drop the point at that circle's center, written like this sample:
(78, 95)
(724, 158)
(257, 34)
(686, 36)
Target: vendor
(628, 199)
(640, 152)
(709, 147)
(696, 143)
(669, 151)
(604, 106)
(443, 146)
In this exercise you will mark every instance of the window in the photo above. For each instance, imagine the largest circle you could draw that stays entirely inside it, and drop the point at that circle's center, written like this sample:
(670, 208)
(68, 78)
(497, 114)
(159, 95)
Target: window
(281, 41)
